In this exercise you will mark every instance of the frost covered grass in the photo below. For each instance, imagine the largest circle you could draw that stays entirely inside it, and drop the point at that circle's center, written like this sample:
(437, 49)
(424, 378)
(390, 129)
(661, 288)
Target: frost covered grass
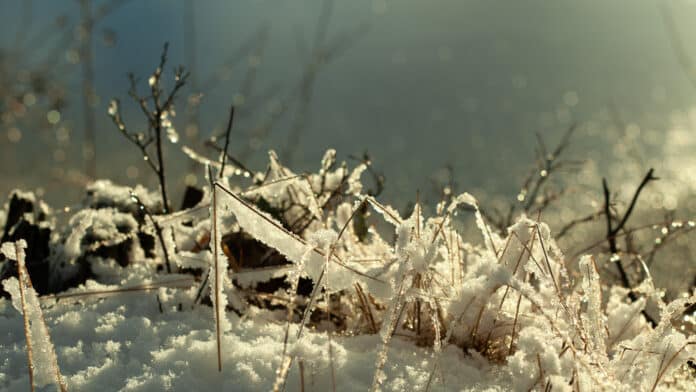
(36, 335)
(308, 282)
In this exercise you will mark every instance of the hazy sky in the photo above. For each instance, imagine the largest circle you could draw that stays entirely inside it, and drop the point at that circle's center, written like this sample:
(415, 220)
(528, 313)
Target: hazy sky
(437, 82)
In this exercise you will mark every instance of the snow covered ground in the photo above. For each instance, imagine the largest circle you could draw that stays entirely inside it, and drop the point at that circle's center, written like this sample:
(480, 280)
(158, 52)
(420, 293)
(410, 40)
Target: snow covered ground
(143, 341)
(419, 308)
(123, 342)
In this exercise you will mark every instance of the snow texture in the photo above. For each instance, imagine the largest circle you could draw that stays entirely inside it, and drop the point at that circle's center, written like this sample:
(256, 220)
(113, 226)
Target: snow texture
(416, 308)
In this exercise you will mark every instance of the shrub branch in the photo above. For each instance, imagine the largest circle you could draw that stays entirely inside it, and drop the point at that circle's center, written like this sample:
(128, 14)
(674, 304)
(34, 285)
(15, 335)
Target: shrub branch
(158, 118)
(612, 232)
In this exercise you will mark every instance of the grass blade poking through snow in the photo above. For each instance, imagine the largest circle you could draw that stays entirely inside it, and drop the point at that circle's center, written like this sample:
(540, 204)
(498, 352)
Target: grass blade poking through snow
(43, 364)
(217, 277)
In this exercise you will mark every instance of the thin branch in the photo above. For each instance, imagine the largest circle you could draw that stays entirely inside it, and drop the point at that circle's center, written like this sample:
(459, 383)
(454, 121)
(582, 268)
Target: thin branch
(613, 231)
(570, 225)
(157, 118)
(227, 141)
(158, 229)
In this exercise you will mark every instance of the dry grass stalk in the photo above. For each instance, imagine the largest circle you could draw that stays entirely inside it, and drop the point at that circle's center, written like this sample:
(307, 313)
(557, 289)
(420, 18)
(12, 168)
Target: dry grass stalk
(217, 281)
(663, 369)
(25, 285)
(365, 307)
(27, 332)
(176, 283)
(302, 380)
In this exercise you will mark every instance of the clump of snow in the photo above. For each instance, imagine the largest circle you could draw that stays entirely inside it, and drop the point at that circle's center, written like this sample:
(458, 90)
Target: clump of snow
(104, 194)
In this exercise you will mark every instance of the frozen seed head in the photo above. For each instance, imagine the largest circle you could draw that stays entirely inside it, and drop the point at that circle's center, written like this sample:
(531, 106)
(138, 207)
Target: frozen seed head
(152, 80)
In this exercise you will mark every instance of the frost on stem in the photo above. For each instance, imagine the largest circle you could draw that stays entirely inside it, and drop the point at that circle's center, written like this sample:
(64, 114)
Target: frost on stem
(593, 296)
(217, 274)
(43, 364)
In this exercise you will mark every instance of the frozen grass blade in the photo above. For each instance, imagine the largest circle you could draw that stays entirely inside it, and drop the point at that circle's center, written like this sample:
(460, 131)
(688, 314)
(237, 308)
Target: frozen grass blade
(217, 277)
(390, 323)
(42, 364)
(7, 250)
(270, 232)
(175, 283)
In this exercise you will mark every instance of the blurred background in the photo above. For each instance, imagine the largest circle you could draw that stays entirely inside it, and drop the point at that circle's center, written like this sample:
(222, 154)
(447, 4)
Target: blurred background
(419, 85)
(456, 92)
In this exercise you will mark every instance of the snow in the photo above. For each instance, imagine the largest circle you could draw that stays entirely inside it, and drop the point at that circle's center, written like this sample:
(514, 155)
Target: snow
(147, 353)
(104, 193)
(418, 309)
(155, 355)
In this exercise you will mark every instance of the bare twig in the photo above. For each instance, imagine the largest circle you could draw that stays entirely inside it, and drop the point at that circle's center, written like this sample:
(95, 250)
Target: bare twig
(528, 199)
(612, 231)
(158, 118)
(227, 142)
(158, 229)
(570, 225)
